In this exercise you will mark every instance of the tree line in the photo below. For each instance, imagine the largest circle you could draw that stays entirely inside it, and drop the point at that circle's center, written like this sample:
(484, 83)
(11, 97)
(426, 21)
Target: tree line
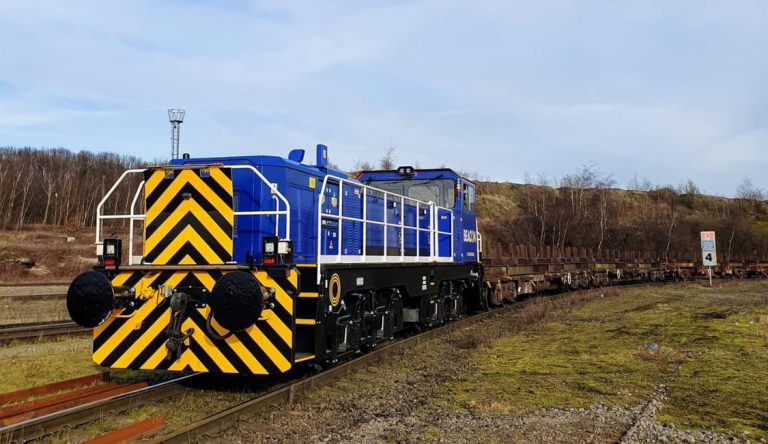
(59, 187)
(583, 209)
(586, 210)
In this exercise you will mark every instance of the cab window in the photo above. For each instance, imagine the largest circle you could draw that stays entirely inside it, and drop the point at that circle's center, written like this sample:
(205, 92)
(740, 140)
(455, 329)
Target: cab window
(468, 195)
(425, 193)
(440, 191)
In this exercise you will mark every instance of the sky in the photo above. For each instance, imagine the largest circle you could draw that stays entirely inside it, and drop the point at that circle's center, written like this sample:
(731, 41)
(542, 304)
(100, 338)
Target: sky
(663, 90)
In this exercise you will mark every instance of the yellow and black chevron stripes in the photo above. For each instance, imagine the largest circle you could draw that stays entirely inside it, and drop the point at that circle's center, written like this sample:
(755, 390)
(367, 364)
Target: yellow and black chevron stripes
(189, 215)
(307, 302)
(137, 339)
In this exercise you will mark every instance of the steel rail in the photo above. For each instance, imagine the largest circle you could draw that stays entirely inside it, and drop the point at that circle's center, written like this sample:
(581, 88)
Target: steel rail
(34, 284)
(33, 324)
(52, 387)
(35, 297)
(200, 430)
(45, 425)
(130, 433)
(44, 329)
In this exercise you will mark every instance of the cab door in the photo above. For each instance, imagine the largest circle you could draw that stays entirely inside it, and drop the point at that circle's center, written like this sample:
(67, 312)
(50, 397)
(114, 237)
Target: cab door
(468, 223)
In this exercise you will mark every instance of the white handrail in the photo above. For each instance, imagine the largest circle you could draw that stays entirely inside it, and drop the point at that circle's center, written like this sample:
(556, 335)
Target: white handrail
(365, 225)
(104, 200)
(132, 216)
(277, 216)
(130, 223)
(386, 245)
(433, 250)
(275, 192)
(433, 229)
(402, 228)
(479, 239)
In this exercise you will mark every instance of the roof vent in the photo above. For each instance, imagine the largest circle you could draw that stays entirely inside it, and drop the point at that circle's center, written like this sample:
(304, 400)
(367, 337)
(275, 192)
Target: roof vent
(296, 155)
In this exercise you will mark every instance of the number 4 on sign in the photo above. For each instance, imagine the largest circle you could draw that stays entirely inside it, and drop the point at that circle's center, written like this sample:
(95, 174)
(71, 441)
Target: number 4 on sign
(708, 249)
(709, 258)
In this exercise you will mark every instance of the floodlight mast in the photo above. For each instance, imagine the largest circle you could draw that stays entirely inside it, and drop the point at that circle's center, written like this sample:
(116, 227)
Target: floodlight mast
(176, 116)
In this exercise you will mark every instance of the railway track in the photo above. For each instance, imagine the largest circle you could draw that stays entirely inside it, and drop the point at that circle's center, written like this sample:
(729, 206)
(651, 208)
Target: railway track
(34, 292)
(96, 405)
(39, 330)
(281, 394)
(50, 296)
(34, 284)
(202, 430)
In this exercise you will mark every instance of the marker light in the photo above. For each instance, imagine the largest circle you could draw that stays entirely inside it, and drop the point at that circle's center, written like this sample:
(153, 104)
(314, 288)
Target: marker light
(405, 171)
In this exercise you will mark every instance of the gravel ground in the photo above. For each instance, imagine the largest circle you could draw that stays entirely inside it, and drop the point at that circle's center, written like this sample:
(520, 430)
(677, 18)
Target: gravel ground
(404, 402)
(408, 400)
(645, 429)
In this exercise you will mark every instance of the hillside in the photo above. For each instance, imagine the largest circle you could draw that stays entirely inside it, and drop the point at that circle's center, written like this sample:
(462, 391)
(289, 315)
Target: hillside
(662, 221)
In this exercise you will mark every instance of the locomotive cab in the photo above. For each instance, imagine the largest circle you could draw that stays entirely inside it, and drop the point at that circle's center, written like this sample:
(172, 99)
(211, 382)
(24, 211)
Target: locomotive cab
(444, 187)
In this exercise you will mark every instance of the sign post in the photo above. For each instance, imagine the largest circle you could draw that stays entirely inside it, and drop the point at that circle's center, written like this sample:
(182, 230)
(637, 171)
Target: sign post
(708, 252)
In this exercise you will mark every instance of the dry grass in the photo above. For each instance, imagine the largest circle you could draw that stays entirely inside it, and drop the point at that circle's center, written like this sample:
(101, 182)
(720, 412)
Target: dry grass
(708, 345)
(469, 339)
(14, 311)
(663, 356)
(534, 314)
(55, 258)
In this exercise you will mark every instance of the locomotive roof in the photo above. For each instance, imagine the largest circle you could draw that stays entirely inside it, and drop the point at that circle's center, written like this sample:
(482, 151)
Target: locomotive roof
(425, 173)
(259, 160)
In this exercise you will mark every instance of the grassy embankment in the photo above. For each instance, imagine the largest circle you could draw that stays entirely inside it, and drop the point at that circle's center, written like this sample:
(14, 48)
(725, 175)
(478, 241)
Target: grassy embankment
(709, 346)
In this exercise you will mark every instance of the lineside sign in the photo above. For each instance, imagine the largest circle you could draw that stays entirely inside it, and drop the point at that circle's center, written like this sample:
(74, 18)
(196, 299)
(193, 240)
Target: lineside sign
(708, 252)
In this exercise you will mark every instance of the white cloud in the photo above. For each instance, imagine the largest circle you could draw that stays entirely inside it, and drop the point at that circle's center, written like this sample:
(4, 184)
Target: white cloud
(667, 90)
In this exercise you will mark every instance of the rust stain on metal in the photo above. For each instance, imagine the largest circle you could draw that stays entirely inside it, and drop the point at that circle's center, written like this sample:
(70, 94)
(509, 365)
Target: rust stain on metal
(131, 432)
(6, 398)
(83, 397)
(50, 401)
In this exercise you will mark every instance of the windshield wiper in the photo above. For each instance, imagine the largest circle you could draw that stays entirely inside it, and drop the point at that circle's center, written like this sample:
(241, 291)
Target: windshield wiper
(438, 177)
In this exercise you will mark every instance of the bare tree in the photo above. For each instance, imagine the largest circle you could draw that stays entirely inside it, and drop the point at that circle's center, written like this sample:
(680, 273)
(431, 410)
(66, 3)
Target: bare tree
(56, 185)
(688, 187)
(361, 165)
(639, 184)
(473, 175)
(748, 191)
(669, 232)
(387, 161)
(730, 242)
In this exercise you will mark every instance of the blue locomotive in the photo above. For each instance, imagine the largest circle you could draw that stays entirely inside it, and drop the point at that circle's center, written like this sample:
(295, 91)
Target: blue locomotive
(254, 264)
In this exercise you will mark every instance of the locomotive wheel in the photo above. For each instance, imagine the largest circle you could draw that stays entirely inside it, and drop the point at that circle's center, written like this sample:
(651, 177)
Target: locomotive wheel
(510, 295)
(494, 296)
